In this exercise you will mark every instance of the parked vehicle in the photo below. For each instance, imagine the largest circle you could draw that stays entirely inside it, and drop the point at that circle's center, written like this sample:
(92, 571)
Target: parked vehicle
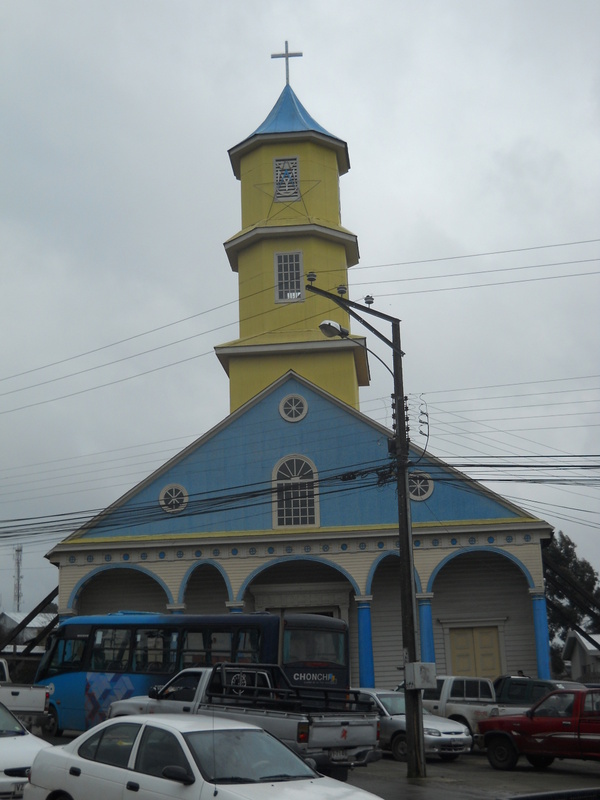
(463, 699)
(328, 725)
(93, 660)
(516, 693)
(564, 724)
(447, 739)
(28, 703)
(18, 748)
(163, 756)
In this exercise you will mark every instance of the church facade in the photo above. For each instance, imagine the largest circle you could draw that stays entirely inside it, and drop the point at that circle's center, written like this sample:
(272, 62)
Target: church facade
(289, 504)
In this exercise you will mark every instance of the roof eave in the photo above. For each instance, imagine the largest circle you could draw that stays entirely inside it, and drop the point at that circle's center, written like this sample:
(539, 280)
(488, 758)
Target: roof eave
(259, 139)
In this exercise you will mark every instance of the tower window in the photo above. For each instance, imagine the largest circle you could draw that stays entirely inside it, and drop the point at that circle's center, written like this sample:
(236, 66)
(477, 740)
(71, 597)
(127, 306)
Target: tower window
(287, 186)
(288, 277)
(295, 493)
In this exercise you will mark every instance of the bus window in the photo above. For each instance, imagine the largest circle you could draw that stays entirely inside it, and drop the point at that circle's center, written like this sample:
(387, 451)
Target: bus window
(154, 650)
(111, 649)
(306, 646)
(67, 654)
(247, 646)
(206, 647)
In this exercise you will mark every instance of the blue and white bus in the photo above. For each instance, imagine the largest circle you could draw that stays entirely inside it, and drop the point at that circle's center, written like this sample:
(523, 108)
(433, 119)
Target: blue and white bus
(90, 661)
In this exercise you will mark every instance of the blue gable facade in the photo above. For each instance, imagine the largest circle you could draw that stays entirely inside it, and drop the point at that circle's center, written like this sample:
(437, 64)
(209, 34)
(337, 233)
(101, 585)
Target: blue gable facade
(228, 475)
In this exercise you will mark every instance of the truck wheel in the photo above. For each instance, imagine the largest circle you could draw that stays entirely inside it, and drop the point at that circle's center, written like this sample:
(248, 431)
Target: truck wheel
(399, 747)
(540, 762)
(501, 753)
(51, 726)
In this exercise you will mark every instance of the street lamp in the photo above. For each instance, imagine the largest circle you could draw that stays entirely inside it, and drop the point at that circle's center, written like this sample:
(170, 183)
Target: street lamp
(414, 714)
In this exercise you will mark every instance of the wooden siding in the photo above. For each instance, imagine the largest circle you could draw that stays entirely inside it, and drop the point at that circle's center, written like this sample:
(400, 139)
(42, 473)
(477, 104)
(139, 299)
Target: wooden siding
(386, 623)
(206, 592)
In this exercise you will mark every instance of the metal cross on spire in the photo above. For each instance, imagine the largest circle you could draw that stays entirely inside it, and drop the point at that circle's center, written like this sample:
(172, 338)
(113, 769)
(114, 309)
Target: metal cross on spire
(287, 55)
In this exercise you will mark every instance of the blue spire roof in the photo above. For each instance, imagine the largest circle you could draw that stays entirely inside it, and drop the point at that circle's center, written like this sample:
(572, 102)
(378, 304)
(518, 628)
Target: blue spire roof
(288, 116)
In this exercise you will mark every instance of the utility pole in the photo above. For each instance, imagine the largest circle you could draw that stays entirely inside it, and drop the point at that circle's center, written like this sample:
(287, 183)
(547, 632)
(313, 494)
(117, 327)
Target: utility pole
(18, 593)
(416, 767)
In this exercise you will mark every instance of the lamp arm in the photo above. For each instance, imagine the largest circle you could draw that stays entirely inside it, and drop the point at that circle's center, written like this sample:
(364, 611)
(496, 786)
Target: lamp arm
(349, 305)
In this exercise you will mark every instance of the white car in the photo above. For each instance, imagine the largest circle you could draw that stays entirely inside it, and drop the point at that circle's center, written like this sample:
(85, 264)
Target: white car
(441, 737)
(167, 757)
(18, 748)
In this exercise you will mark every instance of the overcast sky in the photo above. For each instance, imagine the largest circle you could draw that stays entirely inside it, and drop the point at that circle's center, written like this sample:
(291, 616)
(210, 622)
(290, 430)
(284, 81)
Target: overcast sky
(473, 132)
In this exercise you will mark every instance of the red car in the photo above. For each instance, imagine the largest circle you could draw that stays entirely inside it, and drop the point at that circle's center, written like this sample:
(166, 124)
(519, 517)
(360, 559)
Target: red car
(563, 724)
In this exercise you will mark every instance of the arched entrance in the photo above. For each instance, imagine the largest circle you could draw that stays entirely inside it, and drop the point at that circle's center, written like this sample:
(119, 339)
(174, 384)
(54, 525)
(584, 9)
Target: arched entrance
(206, 591)
(119, 590)
(482, 617)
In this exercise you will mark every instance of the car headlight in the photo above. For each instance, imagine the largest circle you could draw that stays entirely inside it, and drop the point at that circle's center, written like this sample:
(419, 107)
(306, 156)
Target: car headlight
(431, 732)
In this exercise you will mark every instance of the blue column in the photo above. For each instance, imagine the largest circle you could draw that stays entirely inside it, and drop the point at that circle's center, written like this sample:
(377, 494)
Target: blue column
(542, 643)
(365, 643)
(426, 627)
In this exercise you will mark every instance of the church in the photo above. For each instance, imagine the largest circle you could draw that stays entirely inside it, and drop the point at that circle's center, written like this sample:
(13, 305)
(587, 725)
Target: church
(289, 503)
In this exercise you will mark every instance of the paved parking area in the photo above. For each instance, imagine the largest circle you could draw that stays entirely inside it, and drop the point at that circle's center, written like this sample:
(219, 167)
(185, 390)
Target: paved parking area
(472, 777)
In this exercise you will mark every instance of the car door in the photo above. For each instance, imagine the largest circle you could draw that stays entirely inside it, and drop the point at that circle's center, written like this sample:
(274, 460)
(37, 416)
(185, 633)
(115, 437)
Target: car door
(589, 726)
(159, 748)
(178, 696)
(99, 768)
(552, 728)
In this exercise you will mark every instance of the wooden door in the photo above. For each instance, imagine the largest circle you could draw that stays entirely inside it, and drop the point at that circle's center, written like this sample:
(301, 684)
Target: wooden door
(475, 652)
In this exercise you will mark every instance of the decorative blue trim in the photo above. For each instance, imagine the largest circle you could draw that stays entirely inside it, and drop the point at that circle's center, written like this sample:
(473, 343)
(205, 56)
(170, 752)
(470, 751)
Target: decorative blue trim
(88, 577)
(205, 563)
(542, 644)
(375, 565)
(426, 630)
(484, 549)
(316, 559)
(366, 668)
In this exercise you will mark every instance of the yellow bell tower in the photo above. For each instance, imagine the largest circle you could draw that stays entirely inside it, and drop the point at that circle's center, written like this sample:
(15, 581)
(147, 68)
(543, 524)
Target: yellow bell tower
(289, 170)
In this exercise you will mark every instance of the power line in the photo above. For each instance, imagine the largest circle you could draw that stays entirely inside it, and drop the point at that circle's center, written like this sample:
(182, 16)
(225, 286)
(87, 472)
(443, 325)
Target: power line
(478, 255)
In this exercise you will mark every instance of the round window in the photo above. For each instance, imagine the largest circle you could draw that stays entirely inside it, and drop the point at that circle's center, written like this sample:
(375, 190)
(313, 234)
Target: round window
(293, 408)
(173, 498)
(420, 485)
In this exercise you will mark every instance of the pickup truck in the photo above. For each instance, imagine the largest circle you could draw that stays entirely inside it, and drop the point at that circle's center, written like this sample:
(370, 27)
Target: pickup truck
(329, 726)
(564, 724)
(28, 703)
(516, 693)
(465, 700)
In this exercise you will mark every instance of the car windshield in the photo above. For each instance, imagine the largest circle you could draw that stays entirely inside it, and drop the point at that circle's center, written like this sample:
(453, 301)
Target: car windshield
(393, 702)
(9, 725)
(245, 756)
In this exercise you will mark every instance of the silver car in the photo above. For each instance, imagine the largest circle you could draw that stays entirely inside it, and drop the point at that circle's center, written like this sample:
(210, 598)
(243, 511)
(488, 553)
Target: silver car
(442, 737)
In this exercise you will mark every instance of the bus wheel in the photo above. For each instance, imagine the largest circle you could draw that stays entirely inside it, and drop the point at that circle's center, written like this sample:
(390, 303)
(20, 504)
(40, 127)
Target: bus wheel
(51, 726)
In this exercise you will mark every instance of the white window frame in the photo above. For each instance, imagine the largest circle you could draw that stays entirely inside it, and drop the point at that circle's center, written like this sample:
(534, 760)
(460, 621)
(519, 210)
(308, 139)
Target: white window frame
(286, 190)
(284, 293)
(304, 509)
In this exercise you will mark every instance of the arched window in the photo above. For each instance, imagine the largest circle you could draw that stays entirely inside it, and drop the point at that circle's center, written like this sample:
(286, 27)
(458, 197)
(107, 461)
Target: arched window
(296, 494)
